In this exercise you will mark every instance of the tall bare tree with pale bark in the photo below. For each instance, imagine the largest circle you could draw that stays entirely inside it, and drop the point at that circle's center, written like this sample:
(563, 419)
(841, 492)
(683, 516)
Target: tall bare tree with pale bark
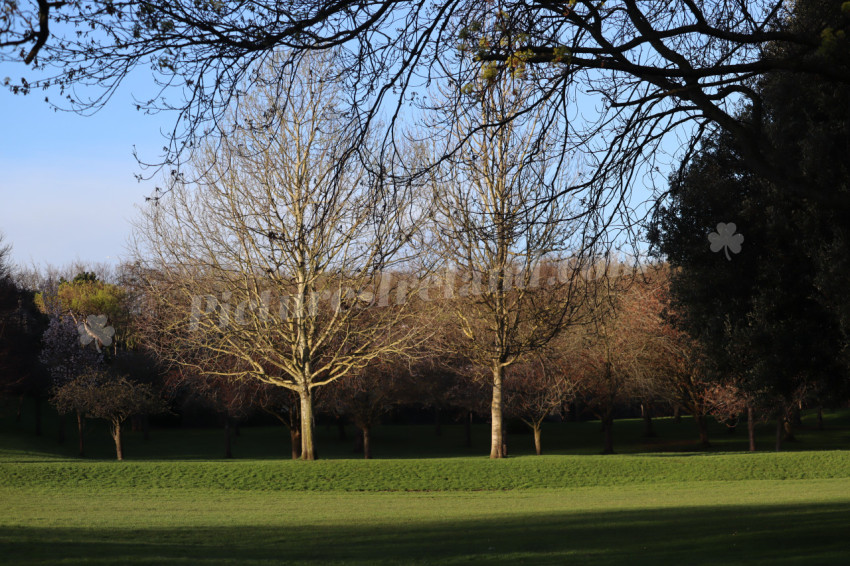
(280, 254)
(509, 235)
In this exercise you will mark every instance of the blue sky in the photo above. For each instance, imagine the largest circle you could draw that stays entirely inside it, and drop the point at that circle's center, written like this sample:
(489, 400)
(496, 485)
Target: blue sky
(67, 187)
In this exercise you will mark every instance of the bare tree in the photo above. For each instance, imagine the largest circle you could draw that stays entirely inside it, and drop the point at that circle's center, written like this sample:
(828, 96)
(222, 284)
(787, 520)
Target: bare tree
(665, 363)
(502, 227)
(623, 350)
(283, 250)
(113, 398)
(366, 396)
(228, 397)
(542, 386)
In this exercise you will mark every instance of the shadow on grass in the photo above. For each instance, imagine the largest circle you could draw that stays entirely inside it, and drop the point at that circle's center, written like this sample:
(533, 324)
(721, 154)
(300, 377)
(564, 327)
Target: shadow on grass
(779, 534)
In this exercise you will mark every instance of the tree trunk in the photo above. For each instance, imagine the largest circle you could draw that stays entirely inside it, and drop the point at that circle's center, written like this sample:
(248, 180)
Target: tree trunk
(820, 418)
(780, 429)
(367, 445)
(751, 428)
(80, 430)
(116, 436)
(608, 429)
(20, 411)
(538, 447)
(497, 444)
(702, 426)
(677, 414)
(438, 429)
(295, 442)
(307, 448)
(468, 426)
(648, 429)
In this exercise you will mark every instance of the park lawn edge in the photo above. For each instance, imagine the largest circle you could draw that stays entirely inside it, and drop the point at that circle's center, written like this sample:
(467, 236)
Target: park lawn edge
(432, 474)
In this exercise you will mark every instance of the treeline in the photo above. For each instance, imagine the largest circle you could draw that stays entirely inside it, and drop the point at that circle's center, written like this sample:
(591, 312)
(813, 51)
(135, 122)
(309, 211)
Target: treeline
(622, 355)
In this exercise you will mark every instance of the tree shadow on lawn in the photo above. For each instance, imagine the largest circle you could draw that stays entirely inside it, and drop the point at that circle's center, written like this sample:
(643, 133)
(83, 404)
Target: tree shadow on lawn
(777, 534)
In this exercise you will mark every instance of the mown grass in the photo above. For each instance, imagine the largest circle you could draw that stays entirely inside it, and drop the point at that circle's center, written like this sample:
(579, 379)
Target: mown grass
(753, 522)
(436, 474)
(660, 501)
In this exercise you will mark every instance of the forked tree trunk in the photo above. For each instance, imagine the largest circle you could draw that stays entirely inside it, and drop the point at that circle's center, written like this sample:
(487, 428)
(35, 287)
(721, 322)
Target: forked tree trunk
(702, 427)
(307, 448)
(367, 443)
(751, 428)
(80, 430)
(497, 444)
(538, 446)
(116, 436)
(608, 429)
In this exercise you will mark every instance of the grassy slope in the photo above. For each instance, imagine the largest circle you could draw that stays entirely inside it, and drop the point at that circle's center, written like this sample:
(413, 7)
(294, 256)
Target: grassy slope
(175, 503)
(455, 474)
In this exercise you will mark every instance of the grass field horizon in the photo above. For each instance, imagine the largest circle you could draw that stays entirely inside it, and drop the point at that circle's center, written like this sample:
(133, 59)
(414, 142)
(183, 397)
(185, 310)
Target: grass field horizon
(427, 499)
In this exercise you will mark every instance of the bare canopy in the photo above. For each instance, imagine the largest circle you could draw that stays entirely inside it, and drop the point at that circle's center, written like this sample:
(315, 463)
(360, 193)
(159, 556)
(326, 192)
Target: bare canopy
(275, 266)
(622, 74)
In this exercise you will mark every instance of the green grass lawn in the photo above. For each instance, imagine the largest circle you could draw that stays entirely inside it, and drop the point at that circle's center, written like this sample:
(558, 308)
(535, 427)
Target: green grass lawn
(768, 521)
(659, 501)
